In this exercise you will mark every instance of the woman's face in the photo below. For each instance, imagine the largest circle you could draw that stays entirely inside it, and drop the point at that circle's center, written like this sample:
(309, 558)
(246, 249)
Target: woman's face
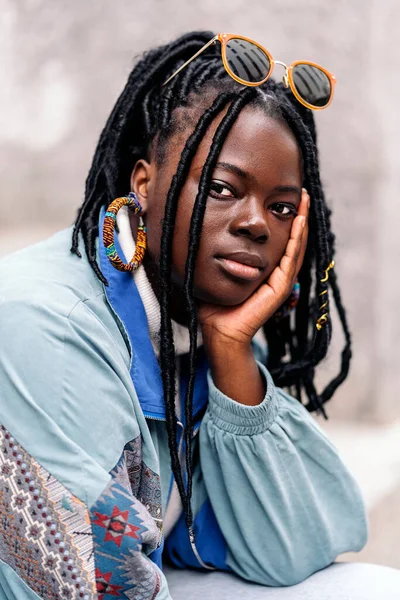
(253, 198)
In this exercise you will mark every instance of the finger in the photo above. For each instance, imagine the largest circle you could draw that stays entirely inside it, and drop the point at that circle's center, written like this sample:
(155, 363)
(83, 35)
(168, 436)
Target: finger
(282, 279)
(305, 205)
(293, 249)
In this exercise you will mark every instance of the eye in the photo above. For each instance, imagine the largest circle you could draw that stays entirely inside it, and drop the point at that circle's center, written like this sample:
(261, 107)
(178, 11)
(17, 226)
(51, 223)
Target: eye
(221, 190)
(283, 210)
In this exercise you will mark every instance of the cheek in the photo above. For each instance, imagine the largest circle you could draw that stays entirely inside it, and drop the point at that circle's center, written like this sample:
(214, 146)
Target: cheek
(180, 246)
(181, 232)
(213, 225)
(154, 224)
(154, 220)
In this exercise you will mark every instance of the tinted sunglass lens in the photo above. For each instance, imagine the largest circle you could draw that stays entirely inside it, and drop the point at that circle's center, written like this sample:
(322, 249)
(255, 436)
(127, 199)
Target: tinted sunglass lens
(312, 84)
(247, 61)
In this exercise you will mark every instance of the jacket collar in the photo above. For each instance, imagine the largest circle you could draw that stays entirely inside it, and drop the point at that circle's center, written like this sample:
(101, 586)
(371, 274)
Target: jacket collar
(124, 298)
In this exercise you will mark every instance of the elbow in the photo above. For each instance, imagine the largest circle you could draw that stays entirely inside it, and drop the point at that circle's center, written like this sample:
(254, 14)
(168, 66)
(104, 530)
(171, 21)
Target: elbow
(293, 569)
(346, 536)
(299, 559)
(293, 577)
(289, 565)
(362, 536)
(353, 535)
(284, 573)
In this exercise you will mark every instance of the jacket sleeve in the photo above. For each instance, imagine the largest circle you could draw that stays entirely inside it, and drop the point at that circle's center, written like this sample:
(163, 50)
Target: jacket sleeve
(74, 523)
(283, 499)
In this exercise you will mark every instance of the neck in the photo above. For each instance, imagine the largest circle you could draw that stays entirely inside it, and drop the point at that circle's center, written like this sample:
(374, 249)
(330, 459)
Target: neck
(177, 306)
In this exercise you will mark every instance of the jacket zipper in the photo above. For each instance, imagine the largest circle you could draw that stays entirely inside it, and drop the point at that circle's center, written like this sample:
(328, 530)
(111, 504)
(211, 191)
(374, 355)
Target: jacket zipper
(191, 534)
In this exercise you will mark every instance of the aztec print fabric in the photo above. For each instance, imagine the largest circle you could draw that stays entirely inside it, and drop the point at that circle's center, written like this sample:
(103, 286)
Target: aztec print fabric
(46, 533)
(60, 549)
(126, 529)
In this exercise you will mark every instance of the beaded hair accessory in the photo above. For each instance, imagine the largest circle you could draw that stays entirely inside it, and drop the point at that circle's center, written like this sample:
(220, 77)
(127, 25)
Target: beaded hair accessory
(110, 221)
(323, 319)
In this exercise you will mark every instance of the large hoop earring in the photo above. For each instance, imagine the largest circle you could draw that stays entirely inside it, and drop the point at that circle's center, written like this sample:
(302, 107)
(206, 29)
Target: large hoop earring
(110, 220)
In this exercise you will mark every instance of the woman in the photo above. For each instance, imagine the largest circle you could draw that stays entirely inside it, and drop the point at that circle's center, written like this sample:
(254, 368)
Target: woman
(141, 418)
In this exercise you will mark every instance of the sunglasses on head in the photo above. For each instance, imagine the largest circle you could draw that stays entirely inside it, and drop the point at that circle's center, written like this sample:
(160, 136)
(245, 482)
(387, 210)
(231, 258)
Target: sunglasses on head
(250, 64)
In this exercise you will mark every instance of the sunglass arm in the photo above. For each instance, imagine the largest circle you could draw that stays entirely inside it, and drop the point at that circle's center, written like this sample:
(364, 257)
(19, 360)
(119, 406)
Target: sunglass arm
(214, 39)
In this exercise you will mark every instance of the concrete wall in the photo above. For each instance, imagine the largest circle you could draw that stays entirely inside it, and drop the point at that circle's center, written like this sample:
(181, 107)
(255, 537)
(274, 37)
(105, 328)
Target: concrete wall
(64, 63)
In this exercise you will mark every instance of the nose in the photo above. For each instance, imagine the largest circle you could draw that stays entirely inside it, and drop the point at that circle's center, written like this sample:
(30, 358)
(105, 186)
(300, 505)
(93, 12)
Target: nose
(251, 222)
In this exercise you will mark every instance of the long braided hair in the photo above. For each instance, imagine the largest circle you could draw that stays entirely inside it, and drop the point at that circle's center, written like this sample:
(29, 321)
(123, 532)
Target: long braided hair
(145, 118)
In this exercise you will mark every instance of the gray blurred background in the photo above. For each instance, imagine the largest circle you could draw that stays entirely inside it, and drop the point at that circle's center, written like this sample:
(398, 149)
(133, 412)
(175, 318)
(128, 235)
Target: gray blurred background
(62, 66)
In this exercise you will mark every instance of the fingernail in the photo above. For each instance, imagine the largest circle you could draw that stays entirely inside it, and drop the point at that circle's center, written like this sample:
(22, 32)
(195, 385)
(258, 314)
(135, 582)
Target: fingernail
(308, 201)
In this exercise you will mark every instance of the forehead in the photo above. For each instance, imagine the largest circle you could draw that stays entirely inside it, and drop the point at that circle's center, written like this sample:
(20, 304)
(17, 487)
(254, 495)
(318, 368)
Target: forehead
(259, 144)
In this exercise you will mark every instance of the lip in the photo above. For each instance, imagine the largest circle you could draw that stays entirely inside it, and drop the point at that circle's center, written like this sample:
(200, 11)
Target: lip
(239, 269)
(245, 258)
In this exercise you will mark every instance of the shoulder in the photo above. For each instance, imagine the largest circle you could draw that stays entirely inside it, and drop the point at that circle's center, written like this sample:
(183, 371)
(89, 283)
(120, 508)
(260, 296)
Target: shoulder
(52, 309)
(63, 360)
(45, 289)
(47, 270)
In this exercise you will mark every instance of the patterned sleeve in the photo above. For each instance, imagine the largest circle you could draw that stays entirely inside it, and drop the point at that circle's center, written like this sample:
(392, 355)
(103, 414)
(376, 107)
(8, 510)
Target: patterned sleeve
(79, 509)
(59, 548)
(46, 534)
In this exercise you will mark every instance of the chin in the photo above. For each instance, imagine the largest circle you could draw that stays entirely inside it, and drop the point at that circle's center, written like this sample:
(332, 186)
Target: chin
(225, 295)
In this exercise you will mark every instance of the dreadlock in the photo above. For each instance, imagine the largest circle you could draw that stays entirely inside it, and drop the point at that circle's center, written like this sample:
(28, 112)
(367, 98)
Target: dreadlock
(144, 119)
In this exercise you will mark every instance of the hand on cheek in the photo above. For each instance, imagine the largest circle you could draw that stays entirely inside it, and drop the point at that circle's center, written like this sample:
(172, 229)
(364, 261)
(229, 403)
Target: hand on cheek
(238, 324)
(227, 332)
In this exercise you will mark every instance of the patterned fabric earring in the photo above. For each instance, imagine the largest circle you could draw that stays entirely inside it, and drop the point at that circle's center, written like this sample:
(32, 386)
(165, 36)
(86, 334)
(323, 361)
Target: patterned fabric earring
(290, 304)
(108, 233)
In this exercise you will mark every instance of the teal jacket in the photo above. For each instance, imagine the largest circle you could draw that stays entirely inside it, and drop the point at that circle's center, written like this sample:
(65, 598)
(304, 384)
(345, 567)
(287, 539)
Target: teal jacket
(84, 464)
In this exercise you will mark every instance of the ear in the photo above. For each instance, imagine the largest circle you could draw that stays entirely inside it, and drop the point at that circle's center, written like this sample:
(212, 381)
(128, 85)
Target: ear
(141, 178)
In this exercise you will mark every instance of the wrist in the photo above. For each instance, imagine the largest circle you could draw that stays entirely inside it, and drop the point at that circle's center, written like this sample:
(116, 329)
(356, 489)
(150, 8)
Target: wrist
(223, 351)
(220, 344)
(235, 372)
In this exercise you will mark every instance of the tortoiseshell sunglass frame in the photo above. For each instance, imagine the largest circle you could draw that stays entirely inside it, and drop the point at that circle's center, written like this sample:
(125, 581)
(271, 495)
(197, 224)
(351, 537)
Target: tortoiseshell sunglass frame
(288, 81)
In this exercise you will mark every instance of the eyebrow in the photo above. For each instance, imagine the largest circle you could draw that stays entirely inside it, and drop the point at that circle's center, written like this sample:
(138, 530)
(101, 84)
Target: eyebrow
(235, 170)
(245, 175)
